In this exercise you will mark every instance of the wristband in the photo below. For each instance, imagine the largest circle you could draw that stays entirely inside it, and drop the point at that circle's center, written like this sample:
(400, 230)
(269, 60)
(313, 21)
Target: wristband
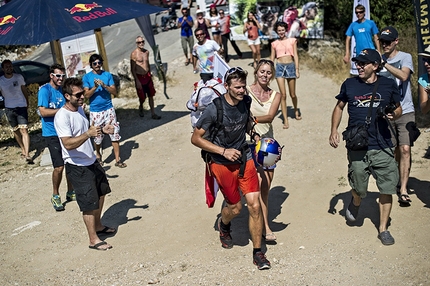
(223, 152)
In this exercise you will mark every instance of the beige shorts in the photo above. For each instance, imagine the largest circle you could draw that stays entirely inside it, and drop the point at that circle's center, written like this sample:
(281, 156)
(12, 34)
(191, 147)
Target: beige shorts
(254, 42)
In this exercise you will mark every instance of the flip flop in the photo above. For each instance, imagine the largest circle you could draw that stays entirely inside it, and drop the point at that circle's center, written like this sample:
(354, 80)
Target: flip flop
(270, 237)
(120, 164)
(97, 246)
(404, 198)
(106, 230)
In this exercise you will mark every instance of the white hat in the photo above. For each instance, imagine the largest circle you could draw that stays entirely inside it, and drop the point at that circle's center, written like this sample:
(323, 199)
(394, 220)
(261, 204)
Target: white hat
(199, 11)
(426, 52)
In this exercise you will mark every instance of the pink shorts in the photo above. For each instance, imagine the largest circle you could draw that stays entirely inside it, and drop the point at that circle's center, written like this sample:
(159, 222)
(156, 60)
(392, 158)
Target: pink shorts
(147, 86)
(230, 183)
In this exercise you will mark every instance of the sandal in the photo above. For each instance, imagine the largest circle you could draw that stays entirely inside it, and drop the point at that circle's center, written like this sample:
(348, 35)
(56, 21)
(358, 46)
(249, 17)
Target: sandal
(29, 160)
(155, 116)
(120, 164)
(270, 237)
(187, 63)
(404, 199)
(97, 246)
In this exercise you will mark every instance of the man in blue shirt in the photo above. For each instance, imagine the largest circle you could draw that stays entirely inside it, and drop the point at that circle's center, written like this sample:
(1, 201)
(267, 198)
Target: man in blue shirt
(49, 101)
(99, 87)
(187, 40)
(364, 31)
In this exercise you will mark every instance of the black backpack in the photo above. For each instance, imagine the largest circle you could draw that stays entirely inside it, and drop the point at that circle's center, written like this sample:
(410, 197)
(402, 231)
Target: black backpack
(218, 125)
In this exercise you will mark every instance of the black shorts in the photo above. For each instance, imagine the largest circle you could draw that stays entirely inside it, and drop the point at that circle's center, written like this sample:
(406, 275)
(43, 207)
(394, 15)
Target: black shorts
(89, 183)
(17, 117)
(54, 147)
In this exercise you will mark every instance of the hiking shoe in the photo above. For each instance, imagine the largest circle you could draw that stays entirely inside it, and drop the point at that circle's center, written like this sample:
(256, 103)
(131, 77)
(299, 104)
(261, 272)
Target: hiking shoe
(71, 196)
(386, 238)
(224, 237)
(261, 261)
(56, 203)
(352, 211)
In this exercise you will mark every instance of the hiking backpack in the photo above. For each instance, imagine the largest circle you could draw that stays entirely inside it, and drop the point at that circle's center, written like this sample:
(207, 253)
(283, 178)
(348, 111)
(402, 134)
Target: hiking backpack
(203, 95)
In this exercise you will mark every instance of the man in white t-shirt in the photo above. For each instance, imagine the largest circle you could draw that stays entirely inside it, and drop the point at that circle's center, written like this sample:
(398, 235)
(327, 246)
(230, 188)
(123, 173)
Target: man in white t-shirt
(83, 170)
(398, 66)
(204, 52)
(15, 94)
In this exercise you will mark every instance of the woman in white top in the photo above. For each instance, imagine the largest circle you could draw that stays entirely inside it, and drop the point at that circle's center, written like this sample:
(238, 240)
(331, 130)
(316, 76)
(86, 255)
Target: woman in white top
(264, 106)
(215, 27)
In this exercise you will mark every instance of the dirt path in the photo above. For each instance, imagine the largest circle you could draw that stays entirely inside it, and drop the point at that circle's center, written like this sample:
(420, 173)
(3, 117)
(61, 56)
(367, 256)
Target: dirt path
(166, 233)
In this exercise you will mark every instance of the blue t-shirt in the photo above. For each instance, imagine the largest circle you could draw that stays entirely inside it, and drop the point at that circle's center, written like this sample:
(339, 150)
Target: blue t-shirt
(101, 99)
(424, 80)
(363, 33)
(357, 94)
(186, 30)
(49, 97)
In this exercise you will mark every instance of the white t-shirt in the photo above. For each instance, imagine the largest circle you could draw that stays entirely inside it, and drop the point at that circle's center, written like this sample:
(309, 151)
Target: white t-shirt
(72, 124)
(400, 60)
(11, 90)
(214, 20)
(206, 54)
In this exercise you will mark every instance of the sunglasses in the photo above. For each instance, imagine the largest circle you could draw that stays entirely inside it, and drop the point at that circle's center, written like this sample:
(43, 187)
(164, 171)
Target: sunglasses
(362, 64)
(232, 71)
(359, 12)
(58, 75)
(385, 43)
(264, 61)
(97, 63)
(140, 42)
(198, 35)
(426, 60)
(78, 95)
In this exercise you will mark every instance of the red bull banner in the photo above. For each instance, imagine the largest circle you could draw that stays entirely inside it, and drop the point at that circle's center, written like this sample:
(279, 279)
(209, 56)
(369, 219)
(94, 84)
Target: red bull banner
(422, 23)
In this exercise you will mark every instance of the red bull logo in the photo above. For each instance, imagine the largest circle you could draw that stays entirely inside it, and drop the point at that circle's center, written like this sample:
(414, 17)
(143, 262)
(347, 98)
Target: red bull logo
(83, 8)
(91, 15)
(8, 19)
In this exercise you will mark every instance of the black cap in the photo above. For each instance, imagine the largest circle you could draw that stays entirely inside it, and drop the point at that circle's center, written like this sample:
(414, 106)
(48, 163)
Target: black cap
(368, 56)
(388, 34)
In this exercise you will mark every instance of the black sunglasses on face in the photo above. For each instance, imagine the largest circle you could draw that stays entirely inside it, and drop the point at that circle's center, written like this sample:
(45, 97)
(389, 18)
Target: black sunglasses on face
(97, 63)
(78, 95)
(359, 12)
(426, 60)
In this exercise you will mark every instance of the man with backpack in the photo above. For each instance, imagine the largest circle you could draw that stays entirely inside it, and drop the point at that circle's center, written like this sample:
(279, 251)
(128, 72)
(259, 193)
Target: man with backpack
(221, 133)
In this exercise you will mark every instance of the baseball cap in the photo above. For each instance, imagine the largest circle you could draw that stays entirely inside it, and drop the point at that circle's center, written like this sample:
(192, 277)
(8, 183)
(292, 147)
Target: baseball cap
(306, 7)
(426, 52)
(199, 11)
(212, 6)
(368, 56)
(388, 34)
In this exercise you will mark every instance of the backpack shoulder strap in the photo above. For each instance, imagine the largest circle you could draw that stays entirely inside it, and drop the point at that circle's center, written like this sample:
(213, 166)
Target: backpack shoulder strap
(219, 118)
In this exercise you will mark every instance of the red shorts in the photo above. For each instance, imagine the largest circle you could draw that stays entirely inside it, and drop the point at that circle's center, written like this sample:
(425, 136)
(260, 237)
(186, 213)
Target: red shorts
(147, 86)
(230, 183)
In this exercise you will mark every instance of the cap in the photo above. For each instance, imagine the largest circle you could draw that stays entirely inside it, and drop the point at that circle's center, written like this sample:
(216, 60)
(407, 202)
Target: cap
(199, 11)
(426, 52)
(213, 5)
(388, 34)
(368, 56)
(306, 7)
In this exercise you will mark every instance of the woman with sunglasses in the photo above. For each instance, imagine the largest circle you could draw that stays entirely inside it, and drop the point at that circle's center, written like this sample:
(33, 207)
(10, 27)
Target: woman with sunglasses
(264, 106)
(251, 27)
(99, 88)
(287, 67)
(424, 83)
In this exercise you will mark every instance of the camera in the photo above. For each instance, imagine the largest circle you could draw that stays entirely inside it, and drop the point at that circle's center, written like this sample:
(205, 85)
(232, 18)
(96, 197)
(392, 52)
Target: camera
(389, 108)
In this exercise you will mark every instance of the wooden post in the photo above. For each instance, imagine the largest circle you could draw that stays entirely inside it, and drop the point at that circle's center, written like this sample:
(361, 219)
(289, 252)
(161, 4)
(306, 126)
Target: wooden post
(57, 54)
(101, 47)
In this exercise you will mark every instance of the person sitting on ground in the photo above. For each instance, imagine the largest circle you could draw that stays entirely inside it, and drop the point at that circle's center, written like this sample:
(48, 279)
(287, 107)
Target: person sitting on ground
(171, 15)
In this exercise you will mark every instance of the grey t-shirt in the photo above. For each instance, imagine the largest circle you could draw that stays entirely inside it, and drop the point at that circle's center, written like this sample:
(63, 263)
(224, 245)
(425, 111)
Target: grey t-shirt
(233, 135)
(402, 59)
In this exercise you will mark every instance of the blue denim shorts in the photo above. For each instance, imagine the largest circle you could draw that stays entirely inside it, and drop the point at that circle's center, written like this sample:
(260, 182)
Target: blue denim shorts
(286, 70)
